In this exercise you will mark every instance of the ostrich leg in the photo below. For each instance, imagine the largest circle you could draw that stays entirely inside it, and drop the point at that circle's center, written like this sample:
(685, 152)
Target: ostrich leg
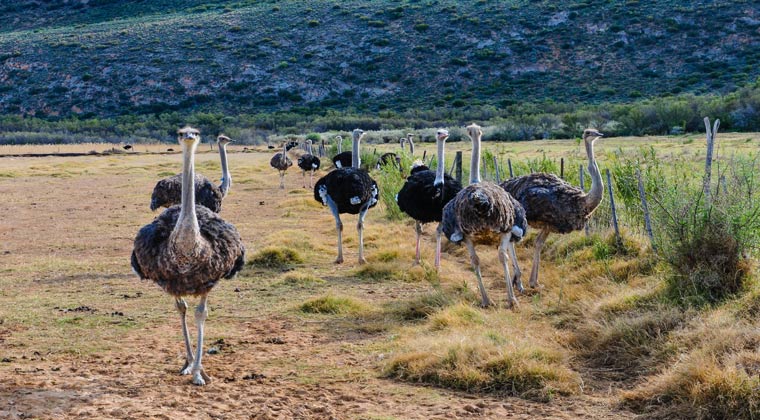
(360, 229)
(511, 300)
(182, 309)
(537, 257)
(311, 178)
(282, 180)
(303, 178)
(418, 230)
(338, 227)
(518, 273)
(201, 313)
(485, 302)
(438, 248)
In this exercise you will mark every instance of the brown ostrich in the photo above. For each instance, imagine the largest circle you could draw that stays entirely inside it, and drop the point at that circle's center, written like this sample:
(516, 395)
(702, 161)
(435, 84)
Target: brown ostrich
(186, 250)
(553, 205)
(484, 213)
(282, 162)
(168, 191)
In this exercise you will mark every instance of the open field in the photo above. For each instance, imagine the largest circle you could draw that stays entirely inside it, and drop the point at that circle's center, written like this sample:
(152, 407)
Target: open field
(82, 337)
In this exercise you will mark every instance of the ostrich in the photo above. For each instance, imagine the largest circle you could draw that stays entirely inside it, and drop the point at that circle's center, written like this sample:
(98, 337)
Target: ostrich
(408, 139)
(390, 157)
(308, 162)
(186, 250)
(127, 147)
(348, 190)
(168, 191)
(481, 213)
(424, 195)
(342, 159)
(553, 205)
(282, 162)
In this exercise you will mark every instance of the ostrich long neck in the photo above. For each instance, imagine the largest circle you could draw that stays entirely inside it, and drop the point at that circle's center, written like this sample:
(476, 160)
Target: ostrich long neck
(186, 233)
(226, 177)
(440, 169)
(411, 146)
(308, 147)
(340, 145)
(356, 159)
(475, 161)
(594, 196)
(284, 153)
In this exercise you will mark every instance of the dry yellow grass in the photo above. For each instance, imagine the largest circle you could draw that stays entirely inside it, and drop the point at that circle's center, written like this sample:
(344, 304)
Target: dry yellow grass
(69, 302)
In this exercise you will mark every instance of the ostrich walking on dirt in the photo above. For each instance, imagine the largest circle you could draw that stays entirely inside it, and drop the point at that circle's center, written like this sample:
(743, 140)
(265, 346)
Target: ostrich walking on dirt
(186, 250)
(553, 205)
(424, 195)
(348, 190)
(282, 162)
(168, 191)
(308, 162)
(484, 213)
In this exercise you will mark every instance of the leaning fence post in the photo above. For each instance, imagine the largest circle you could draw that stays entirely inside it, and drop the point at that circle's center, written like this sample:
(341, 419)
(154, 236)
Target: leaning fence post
(424, 153)
(583, 187)
(645, 208)
(458, 166)
(708, 159)
(496, 170)
(612, 206)
(562, 168)
(509, 163)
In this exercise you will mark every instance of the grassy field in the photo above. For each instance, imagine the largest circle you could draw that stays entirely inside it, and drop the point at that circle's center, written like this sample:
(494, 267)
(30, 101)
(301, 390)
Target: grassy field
(299, 337)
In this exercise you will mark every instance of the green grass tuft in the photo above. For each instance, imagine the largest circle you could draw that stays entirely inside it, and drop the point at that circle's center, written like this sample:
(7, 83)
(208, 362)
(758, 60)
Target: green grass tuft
(333, 305)
(276, 258)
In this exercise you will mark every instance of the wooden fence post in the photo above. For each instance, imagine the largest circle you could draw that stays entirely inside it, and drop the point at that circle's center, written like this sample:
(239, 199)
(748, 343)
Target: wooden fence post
(458, 166)
(612, 206)
(509, 163)
(322, 148)
(424, 153)
(562, 168)
(645, 208)
(583, 187)
(496, 170)
(708, 161)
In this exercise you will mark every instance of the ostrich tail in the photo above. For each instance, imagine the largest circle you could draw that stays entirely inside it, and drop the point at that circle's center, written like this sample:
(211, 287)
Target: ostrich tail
(517, 232)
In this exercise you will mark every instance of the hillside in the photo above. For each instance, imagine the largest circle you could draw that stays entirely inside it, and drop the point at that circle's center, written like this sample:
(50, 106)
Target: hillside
(106, 58)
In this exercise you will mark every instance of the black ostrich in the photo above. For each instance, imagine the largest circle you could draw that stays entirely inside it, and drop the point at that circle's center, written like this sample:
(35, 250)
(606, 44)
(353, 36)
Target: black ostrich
(484, 213)
(127, 147)
(186, 250)
(308, 162)
(348, 190)
(168, 191)
(343, 160)
(282, 162)
(424, 195)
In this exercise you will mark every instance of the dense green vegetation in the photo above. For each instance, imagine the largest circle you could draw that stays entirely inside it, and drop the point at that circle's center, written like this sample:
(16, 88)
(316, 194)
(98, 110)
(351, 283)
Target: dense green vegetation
(103, 68)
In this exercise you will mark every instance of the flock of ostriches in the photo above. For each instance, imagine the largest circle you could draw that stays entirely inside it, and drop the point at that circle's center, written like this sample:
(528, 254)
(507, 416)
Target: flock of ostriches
(188, 248)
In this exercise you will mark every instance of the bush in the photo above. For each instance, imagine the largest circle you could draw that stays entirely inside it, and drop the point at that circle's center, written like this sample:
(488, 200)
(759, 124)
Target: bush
(276, 258)
(707, 243)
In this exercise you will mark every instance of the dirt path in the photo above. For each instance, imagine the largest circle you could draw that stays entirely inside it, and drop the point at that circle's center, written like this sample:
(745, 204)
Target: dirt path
(81, 337)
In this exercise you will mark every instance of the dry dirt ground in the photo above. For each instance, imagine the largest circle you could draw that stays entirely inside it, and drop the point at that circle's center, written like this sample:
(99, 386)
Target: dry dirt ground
(82, 337)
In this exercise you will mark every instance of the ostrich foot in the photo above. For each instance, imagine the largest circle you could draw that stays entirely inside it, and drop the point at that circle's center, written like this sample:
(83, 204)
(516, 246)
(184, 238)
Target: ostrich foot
(512, 303)
(485, 303)
(187, 368)
(518, 284)
(339, 260)
(201, 378)
(362, 260)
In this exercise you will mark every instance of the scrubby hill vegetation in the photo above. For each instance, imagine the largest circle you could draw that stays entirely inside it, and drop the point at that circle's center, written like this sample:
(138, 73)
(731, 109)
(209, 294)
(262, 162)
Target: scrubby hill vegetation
(404, 63)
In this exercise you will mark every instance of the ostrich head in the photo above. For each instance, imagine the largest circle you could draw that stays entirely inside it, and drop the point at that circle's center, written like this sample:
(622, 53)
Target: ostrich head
(474, 130)
(357, 134)
(223, 140)
(308, 142)
(188, 136)
(441, 134)
(591, 135)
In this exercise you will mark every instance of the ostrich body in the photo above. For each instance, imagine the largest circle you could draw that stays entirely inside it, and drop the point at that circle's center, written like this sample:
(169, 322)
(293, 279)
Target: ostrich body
(186, 250)
(343, 160)
(553, 205)
(308, 162)
(282, 162)
(483, 213)
(348, 190)
(424, 195)
(168, 191)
